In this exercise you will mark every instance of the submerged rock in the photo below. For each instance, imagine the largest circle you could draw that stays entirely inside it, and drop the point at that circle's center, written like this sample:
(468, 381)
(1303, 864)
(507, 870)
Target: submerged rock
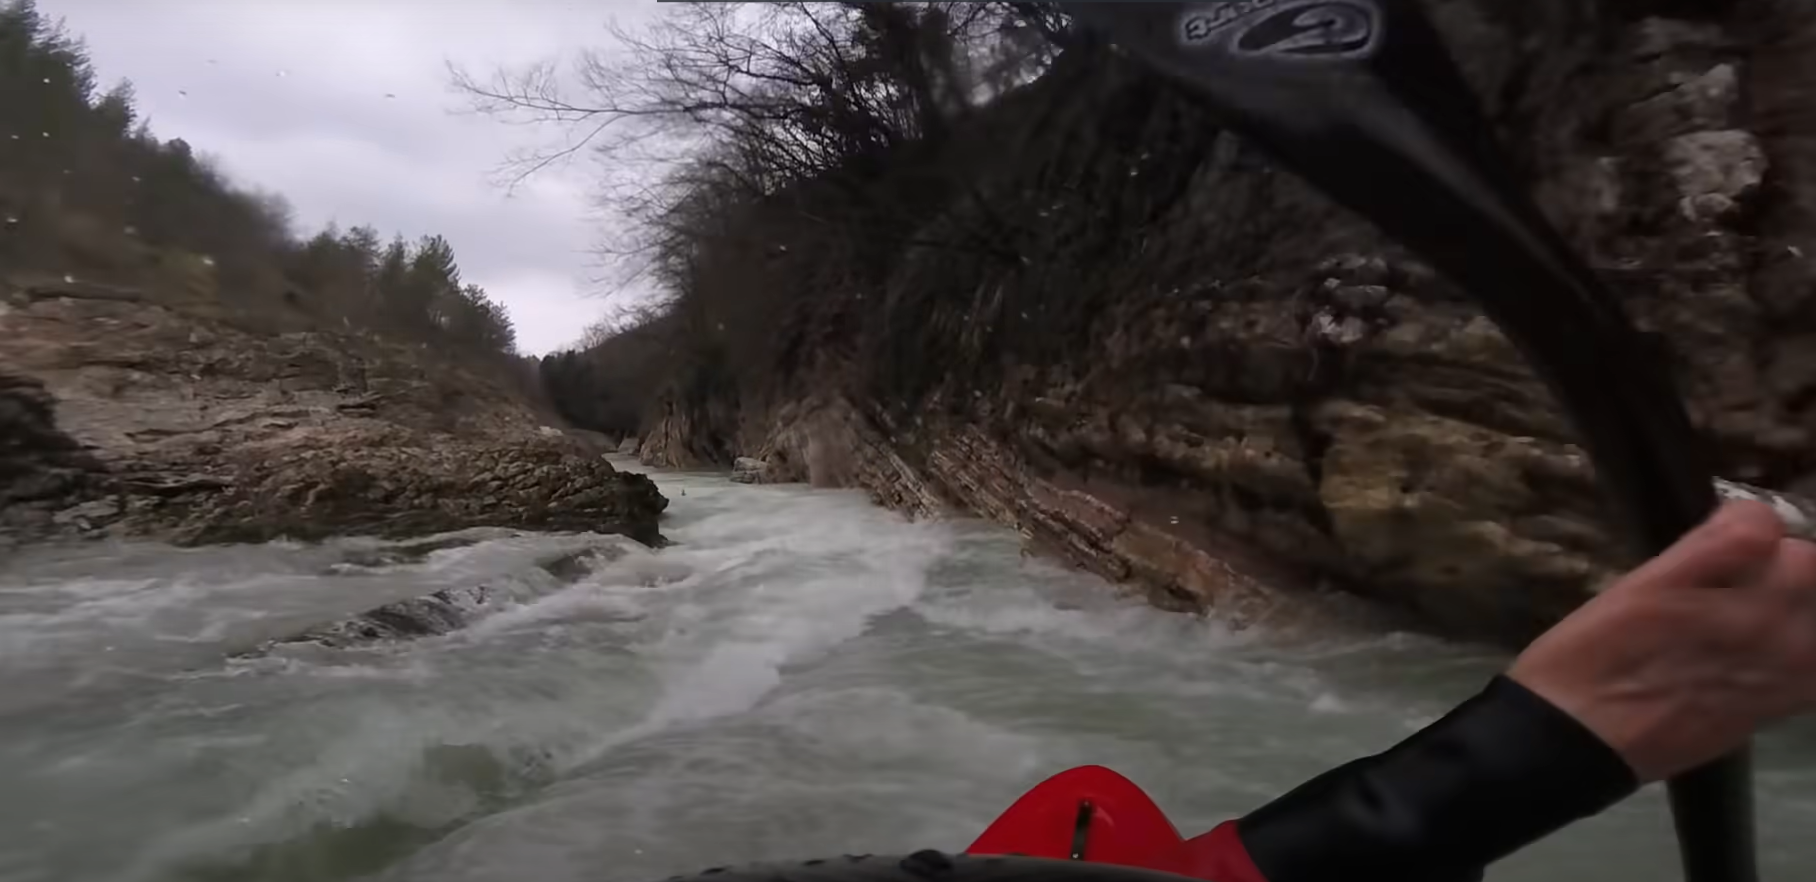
(439, 613)
(748, 470)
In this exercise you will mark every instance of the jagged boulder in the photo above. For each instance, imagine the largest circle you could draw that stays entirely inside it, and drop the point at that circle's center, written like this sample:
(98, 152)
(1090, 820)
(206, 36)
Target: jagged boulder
(388, 482)
(179, 427)
(749, 470)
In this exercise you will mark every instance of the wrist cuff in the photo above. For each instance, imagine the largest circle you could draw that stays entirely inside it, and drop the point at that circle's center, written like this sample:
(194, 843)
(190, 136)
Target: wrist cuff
(1502, 770)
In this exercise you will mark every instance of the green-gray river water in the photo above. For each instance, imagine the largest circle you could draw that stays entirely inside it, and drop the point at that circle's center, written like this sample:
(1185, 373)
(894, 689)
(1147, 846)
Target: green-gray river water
(800, 675)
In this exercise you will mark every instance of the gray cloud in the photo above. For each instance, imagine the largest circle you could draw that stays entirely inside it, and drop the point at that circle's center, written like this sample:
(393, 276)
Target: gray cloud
(291, 96)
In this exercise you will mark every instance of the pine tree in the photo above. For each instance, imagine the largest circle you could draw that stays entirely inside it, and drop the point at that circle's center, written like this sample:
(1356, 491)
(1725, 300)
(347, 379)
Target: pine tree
(432, 292)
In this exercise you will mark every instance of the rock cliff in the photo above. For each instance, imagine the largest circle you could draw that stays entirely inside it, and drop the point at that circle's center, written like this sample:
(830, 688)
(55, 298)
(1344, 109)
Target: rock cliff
(122, 415)
(1203, 376)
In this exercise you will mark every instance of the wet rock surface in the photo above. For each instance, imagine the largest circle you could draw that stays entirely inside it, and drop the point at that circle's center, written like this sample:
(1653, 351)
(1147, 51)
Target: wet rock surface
(749, 470)
(42, 470)
(124, 416)
(441, 612)
(1254, 375)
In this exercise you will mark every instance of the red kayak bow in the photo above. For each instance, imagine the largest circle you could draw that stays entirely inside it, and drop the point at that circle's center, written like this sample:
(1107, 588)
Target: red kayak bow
(1096, 815)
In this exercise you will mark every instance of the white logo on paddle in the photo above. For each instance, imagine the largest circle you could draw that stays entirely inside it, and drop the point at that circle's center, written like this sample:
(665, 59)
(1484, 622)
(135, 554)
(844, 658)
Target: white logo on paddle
(1288, 30)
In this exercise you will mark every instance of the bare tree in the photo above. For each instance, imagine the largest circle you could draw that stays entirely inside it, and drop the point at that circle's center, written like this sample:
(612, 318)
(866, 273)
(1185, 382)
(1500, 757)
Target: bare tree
(730, 133)
(802, 86)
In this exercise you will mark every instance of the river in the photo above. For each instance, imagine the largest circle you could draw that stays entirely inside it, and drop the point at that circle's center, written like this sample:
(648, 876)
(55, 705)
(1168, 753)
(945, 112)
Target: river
(801, 674)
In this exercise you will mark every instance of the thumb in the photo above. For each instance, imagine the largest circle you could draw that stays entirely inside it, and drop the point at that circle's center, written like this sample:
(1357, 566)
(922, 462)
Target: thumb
(1734, 543)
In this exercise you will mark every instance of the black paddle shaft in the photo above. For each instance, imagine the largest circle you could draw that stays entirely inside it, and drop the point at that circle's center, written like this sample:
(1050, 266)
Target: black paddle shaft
(1361, 98)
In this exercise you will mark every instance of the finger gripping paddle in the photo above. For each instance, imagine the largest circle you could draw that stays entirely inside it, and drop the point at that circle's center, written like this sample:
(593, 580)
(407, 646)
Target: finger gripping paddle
(1361, 99)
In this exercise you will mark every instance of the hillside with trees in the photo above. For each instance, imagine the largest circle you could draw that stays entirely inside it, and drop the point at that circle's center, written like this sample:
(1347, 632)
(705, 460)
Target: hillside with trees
(178, 362)
(88, 191)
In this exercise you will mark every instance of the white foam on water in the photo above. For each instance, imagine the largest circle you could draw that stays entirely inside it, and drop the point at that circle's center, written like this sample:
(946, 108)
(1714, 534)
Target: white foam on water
(716, 628)
(731, 658)
(414, 733)
(759, 600)
(881, 725)
(107, 628)
(400, 664)
(202, 598)
(1125, 626)
(576, 604)
(373, 765)
(79, 589)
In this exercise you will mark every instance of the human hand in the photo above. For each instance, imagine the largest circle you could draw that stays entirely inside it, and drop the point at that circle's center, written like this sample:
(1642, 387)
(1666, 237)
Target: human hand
(1683, 659)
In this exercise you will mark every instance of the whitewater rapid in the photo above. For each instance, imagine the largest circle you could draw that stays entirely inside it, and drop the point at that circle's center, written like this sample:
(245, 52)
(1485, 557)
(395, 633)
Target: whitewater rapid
(801, 674)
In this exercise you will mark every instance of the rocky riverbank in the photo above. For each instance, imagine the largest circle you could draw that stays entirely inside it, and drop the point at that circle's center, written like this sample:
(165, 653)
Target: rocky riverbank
(1241, 383)
(125, 416)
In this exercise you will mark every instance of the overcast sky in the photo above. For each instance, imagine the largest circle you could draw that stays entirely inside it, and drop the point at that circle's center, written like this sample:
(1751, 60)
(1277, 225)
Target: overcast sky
(291, 96)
